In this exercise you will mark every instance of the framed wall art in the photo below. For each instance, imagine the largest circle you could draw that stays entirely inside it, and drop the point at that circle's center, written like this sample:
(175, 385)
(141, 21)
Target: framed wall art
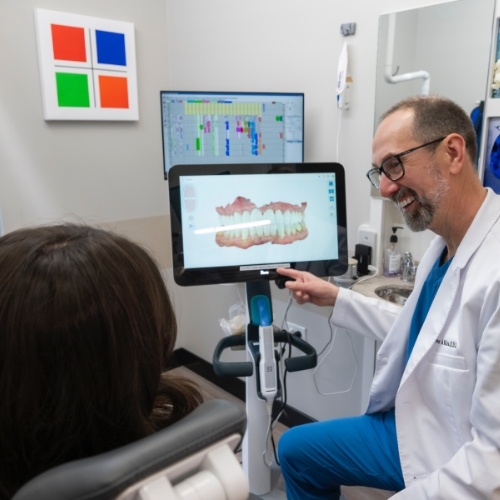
(87, 67)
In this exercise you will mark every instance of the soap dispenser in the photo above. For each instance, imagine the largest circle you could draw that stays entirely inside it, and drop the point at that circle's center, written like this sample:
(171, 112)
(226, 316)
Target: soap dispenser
(392, 255)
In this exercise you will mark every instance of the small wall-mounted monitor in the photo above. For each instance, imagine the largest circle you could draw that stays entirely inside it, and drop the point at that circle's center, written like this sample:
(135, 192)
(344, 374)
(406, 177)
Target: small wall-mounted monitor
(238, 223)
(231, 127)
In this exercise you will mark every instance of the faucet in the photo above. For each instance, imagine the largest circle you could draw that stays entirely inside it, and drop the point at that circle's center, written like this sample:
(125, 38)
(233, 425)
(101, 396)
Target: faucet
(408, 268)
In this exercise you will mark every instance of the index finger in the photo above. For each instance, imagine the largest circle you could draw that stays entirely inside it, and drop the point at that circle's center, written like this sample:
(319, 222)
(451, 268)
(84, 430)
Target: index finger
(288, 271)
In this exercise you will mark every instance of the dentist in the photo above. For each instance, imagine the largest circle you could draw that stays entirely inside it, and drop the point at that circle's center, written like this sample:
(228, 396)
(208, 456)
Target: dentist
(432, 426)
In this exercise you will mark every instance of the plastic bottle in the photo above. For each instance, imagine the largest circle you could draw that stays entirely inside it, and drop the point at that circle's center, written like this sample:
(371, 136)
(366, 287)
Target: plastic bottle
(392, 255)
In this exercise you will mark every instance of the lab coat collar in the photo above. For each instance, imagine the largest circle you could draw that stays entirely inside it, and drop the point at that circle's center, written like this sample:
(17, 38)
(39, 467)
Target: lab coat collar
(486, 217)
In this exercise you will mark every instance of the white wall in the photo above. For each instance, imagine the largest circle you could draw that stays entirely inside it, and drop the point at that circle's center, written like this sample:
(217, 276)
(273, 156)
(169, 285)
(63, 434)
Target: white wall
(111, 173)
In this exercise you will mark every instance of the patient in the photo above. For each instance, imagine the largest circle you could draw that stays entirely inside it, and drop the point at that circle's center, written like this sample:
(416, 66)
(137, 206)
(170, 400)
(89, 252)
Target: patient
(86, 331)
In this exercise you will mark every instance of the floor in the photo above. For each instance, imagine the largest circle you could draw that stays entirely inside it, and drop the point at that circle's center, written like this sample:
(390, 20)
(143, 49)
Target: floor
(211, 390)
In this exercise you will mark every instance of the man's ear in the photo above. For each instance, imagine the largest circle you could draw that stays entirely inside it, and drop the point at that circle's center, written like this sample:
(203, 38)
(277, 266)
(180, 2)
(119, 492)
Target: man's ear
(456, 150)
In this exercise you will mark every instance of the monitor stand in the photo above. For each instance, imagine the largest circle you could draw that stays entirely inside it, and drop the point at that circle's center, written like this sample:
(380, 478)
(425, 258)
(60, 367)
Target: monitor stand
(263, 479)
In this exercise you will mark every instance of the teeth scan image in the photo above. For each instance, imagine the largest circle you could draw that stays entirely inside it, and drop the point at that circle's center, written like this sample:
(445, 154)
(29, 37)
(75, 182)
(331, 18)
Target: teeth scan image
(243, 224)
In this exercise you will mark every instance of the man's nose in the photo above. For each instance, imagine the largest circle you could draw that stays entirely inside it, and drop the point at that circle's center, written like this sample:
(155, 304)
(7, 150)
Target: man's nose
(387, 187)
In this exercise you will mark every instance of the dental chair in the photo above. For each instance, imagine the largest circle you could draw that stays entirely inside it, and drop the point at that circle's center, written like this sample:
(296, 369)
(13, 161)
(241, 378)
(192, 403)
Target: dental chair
(191, 459)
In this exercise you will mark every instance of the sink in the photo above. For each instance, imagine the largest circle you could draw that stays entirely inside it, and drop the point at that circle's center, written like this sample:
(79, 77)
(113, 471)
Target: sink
(394, 293)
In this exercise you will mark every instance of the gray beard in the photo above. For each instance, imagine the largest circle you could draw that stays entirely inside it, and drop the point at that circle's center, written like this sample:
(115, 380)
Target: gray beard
(421, 219)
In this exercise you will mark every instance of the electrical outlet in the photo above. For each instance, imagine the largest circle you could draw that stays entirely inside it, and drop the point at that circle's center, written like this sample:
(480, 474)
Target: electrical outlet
(294, 328)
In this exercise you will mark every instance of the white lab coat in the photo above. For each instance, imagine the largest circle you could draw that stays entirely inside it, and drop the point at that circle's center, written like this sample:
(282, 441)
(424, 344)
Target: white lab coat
(447, 397)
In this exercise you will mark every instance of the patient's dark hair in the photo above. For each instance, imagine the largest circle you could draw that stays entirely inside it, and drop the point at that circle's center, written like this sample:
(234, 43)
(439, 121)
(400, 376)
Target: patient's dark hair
(86, 331)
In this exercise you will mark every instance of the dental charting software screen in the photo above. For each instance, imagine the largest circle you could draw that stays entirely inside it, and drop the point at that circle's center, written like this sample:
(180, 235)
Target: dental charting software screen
(231, 127)
(240, 223)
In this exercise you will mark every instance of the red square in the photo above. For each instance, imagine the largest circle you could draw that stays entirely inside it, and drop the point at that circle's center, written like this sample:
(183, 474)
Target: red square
(68, 43)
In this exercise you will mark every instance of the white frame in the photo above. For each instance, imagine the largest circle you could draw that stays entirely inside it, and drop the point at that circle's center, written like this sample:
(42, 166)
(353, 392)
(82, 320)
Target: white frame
(48, 66)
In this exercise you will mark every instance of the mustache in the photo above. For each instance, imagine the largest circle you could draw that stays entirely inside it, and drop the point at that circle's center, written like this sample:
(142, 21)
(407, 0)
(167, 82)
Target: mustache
(403, 193)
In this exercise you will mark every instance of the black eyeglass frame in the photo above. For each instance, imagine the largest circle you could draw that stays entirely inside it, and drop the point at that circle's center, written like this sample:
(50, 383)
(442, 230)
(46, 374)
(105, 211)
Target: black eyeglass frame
(380, 170)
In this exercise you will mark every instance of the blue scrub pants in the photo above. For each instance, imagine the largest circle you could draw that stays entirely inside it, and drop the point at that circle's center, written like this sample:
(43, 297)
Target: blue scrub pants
(316, 459)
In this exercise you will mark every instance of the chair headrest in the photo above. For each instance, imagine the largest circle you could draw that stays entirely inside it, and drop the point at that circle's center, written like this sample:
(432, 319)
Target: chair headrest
(104, 476)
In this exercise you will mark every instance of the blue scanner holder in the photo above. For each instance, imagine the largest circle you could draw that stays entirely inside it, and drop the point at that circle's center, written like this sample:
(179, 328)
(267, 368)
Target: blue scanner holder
(259, 305)
(260, 310)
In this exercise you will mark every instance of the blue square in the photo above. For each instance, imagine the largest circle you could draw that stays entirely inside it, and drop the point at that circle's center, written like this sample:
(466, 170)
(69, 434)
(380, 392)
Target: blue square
(110, 48)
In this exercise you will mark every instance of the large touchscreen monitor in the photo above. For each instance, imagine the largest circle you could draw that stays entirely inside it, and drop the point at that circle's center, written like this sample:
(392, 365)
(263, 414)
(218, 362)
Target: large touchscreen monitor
(238, 223)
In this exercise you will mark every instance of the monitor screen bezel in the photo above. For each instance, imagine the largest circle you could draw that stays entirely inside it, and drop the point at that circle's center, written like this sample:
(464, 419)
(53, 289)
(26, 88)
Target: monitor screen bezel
(222, 94)
(233, 274)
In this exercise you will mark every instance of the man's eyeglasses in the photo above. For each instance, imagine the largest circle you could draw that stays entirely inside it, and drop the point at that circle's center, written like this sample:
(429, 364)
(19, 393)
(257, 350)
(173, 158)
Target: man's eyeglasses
(392, 167)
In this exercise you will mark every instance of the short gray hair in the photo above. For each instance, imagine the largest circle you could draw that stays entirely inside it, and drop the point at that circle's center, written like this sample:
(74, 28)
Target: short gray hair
(437, 116)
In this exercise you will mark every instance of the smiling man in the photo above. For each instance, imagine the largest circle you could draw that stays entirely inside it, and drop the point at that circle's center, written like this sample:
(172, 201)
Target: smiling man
(432, 176)
(432, 426)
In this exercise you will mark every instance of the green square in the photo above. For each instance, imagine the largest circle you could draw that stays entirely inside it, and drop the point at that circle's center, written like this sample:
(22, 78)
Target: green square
(72, 90)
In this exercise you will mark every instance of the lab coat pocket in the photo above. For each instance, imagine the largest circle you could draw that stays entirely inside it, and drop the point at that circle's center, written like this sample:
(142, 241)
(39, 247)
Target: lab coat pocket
(447, 361)
(450, 394)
